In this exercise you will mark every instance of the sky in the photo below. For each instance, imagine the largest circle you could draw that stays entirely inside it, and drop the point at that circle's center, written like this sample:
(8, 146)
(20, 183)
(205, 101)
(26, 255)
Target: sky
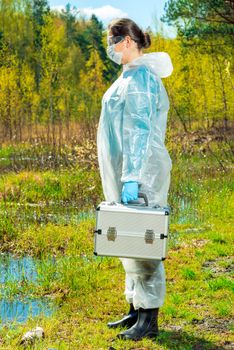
(142, 12)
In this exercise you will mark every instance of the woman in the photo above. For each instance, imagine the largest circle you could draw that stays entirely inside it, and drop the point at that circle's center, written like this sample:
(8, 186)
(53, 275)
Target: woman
(132, 154)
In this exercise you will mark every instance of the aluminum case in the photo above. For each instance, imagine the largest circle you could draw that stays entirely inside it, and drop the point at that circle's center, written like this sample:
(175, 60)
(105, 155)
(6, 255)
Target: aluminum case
(131, 231)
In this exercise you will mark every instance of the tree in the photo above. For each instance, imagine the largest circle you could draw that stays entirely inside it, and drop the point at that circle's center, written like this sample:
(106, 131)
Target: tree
(9, 97)
(69, 18)
(90, 34)
(201, 19)
(91, 89)
(40, 9)
(52, 57)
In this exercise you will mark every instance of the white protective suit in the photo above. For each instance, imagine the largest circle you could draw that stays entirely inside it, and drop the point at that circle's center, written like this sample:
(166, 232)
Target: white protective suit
(130, 142)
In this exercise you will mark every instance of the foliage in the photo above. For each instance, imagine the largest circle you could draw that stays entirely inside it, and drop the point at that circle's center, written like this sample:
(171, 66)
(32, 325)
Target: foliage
(54, 70)
(201, 19)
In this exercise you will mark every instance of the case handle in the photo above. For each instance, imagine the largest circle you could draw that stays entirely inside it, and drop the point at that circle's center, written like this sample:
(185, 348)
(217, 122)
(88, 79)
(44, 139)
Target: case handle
(141, 195)
(144, 196)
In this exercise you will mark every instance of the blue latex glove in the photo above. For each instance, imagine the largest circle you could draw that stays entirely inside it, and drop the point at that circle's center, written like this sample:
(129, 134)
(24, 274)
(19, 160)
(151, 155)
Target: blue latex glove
(129, 191)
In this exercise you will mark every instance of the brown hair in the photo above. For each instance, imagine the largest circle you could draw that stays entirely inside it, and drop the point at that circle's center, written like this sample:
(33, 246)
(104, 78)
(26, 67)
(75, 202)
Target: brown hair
(126, 26)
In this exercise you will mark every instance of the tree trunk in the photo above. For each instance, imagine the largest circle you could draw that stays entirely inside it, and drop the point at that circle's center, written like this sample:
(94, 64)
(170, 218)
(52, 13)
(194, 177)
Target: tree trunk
(225, 120)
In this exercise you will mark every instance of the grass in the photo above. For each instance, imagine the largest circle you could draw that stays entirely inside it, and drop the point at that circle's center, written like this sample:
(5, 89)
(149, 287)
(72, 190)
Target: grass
(41, 216)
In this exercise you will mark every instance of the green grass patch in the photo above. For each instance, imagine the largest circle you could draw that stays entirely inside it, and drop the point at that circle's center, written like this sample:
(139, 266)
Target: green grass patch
(48, 213)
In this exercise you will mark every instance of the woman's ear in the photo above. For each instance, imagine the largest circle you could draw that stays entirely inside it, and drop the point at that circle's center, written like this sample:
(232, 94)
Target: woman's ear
(128, 40)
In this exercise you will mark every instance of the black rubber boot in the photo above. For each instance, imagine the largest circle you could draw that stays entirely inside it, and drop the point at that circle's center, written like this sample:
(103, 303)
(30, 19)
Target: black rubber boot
(145, 327)
(127, 321)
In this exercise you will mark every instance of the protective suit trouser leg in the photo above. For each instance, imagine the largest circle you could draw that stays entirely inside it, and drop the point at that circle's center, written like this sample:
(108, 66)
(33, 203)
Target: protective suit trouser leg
(145, 284)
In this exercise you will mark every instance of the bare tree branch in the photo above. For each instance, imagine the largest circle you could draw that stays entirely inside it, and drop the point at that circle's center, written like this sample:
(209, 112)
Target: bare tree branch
(228, 20)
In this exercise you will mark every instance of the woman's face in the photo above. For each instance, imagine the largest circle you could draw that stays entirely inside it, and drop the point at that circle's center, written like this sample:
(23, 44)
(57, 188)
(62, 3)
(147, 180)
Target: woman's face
(122, 44)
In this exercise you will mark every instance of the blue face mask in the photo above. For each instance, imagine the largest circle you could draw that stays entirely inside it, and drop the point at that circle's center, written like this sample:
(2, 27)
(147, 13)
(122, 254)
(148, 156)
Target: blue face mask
(111, 53)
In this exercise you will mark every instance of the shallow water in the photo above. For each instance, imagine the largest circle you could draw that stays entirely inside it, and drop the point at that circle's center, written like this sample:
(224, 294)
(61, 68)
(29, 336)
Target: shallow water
(43, 213)
(186, 212)
(183, 210)
(17, 269)
(19, 309)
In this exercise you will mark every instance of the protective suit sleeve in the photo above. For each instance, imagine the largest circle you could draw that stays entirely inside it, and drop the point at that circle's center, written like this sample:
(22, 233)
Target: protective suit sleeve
(137, 124)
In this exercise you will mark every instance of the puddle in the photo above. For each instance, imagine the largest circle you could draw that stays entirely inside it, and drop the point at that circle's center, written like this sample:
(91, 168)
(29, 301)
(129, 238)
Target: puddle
(15, 271)
(18, 275)
(184, 210)
(21, 310)
(42, 160)
(57, 212)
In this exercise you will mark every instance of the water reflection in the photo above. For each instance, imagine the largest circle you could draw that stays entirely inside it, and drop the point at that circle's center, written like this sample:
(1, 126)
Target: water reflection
(185, 210)
(21, 310)
(45, 212)
(15, 270)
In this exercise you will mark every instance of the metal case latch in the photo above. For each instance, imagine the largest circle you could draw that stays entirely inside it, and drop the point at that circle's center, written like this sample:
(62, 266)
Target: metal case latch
(111, 234)
(149, 236)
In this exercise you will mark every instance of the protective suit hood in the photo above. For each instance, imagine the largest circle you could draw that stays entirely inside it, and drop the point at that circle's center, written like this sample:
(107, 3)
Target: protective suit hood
(158, 62)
